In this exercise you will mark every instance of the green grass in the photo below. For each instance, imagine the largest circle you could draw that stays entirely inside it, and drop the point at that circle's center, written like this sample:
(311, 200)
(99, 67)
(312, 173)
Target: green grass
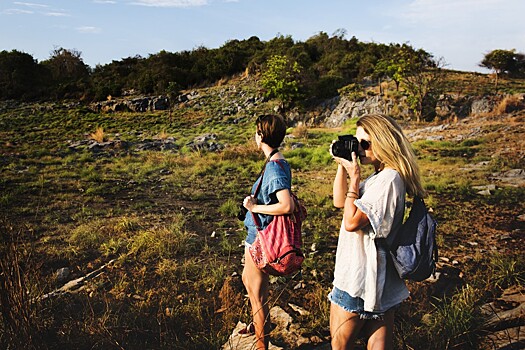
(154, 212)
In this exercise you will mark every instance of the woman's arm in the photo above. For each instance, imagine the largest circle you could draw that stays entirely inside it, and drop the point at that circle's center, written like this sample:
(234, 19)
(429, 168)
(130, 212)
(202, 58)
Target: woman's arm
(283, 206)
(340, 187)
(347, 192)
(354, 219)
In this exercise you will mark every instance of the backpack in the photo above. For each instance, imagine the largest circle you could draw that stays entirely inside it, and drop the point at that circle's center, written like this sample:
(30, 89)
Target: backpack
(414, 250)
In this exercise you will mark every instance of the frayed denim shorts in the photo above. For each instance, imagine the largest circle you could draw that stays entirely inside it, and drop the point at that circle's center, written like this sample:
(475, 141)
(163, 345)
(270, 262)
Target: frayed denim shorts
(352, 304)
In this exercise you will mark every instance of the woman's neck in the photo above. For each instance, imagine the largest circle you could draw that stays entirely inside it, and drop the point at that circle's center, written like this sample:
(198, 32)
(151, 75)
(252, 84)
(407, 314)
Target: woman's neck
(267, 150)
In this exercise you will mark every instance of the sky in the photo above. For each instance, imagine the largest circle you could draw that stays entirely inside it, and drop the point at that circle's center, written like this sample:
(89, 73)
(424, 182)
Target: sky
(460, 32)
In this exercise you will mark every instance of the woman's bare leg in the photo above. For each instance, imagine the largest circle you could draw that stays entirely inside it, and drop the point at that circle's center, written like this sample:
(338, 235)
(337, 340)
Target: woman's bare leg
(381, 333)
(344, 327)
(256, 283)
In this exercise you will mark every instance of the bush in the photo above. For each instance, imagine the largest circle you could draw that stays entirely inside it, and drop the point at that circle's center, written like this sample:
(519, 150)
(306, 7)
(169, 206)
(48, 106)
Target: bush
(510, 104)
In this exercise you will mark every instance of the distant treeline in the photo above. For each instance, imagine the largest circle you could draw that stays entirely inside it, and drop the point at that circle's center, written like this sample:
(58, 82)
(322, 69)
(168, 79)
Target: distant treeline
(326, 63)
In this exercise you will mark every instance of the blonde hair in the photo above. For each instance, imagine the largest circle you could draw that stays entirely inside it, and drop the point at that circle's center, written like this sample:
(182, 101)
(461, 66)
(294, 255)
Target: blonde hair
(391, 147)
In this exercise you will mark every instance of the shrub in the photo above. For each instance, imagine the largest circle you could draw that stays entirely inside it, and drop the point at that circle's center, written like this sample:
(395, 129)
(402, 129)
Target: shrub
(510, 104)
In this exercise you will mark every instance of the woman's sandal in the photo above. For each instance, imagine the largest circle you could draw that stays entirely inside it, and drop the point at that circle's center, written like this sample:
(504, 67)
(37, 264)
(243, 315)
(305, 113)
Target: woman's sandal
(247, 331)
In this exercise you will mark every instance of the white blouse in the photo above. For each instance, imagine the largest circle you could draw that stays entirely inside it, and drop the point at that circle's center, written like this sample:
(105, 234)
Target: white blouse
(359, 269)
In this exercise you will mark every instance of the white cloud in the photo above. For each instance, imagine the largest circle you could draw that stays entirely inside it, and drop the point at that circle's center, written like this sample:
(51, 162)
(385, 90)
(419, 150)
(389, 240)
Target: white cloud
(29, 4)
(104, 2)
(88, 30)
(56, 14)
(17, 12)
(171, 3)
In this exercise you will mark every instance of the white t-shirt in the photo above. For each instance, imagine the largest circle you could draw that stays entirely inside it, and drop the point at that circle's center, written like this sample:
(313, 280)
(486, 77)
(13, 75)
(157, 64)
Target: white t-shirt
(359, 269)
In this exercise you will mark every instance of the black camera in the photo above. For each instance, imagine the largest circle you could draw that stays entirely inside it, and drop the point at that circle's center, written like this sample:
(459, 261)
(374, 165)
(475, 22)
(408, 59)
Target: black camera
(344, 146)
(242, 212)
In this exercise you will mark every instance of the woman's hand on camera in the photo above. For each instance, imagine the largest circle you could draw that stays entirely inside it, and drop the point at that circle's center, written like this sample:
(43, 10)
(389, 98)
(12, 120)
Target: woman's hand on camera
(351, 167)
(249, 203)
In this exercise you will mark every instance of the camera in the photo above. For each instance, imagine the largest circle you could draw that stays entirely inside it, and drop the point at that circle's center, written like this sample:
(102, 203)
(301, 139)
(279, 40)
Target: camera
(242, 212)
(344, 146)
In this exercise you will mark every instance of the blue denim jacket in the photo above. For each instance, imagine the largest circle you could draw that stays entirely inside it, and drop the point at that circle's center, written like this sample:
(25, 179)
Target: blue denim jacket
(275, 178)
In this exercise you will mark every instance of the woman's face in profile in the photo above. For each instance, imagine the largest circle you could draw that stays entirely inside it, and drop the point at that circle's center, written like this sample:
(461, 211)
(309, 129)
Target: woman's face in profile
(366, 156)
(258, 139)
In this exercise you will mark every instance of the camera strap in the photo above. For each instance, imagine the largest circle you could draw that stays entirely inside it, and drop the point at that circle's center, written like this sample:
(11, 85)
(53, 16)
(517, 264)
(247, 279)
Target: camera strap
(258, 188)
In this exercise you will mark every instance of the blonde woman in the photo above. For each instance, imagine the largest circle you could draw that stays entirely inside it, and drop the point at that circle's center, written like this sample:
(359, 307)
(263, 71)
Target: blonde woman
(366, 287)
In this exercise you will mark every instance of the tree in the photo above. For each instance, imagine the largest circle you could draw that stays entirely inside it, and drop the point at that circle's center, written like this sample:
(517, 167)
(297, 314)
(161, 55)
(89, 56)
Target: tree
(504, 62)
(281, 79)
(70, 73)
(21, 77)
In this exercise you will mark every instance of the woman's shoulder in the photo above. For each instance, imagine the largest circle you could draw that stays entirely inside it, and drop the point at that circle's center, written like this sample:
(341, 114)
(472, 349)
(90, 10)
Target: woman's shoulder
(278, 166)
(389, 175)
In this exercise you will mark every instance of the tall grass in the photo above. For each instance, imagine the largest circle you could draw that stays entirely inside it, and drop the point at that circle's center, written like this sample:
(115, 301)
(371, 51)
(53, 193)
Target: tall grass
(456, 321)
(20, 313)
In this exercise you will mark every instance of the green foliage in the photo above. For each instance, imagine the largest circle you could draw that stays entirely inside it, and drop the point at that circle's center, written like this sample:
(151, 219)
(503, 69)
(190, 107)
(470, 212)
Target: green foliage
(21, 77)
(505, 62)
(354, 92)
(281, 79)
(69, 73)
(319, 67)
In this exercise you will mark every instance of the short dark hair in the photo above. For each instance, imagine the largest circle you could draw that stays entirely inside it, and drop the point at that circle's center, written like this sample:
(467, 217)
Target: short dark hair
(272, 129)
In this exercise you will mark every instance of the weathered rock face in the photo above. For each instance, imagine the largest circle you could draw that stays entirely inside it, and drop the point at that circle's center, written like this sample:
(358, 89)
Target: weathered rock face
(447, 106)
(347, 109)
(138, 104)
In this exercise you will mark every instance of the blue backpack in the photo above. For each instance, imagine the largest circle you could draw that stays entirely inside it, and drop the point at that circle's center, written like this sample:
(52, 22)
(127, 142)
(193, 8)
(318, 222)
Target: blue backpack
(413, 249)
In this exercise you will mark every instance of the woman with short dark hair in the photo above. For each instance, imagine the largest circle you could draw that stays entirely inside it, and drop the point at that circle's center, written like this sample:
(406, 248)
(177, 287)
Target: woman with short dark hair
(274, 198)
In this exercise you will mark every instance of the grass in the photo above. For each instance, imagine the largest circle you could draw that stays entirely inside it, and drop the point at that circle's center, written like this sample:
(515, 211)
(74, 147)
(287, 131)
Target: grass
(174, 284)
(456, 321)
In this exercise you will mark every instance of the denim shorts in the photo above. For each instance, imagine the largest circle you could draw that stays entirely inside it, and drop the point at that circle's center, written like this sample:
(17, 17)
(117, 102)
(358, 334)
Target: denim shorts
(352, 304)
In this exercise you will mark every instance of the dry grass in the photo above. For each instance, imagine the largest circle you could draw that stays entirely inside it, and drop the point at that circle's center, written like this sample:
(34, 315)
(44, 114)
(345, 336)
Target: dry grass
(510, 104)
(163, 135)
(300, 131)
(21, 323)
(98, 135)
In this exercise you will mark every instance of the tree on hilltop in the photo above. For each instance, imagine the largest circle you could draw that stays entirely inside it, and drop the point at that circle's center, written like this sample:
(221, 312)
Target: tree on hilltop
(504, 62)
(69, 72)
(280, 78)
(21, 77)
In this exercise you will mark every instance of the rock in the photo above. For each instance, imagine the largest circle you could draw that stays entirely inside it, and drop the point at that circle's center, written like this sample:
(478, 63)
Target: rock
(508, 339)
(238, 341)
(285, 329)
(301, 311)
(505, 317)
(62, 274)
(482, 106)
(513, 177)
(485, 190)
(347, 109)
(205, 142)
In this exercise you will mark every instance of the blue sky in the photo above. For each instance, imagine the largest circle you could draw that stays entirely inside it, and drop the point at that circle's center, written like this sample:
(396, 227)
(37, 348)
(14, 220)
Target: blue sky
(460, 31)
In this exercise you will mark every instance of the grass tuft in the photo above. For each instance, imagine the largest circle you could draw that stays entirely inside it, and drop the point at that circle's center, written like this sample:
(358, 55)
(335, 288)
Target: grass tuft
(98, 135)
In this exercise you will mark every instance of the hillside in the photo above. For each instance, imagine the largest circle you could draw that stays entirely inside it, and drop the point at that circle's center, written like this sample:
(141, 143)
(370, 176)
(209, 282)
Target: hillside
(139, 208)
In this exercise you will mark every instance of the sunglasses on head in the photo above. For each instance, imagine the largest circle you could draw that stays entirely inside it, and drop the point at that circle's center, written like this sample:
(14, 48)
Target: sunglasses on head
(365, 144)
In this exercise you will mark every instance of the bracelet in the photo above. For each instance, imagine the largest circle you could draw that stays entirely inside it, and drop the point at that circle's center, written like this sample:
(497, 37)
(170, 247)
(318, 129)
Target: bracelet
(352, 192)
(350, 196)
